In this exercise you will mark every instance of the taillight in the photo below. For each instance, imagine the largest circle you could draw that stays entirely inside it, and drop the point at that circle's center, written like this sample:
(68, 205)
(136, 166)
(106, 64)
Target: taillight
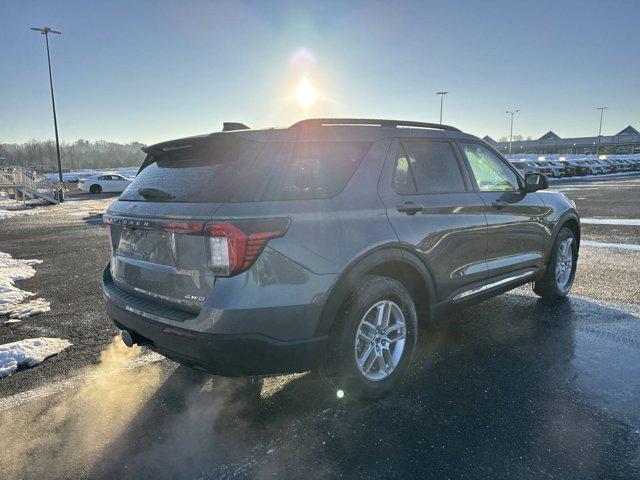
(109, 238)
(235, 245)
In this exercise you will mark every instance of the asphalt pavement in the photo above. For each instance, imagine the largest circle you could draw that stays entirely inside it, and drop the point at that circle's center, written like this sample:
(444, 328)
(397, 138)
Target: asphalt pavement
(510, 388)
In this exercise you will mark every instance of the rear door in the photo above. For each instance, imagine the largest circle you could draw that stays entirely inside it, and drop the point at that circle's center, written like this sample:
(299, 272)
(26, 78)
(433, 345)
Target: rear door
(432, 207)
(515, 219)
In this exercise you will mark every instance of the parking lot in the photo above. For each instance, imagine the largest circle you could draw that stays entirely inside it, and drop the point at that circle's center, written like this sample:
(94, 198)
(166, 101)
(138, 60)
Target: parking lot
(512, 388)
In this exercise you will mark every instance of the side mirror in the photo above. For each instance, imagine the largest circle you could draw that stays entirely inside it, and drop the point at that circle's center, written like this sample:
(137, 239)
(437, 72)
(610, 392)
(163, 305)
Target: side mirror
(534, 182)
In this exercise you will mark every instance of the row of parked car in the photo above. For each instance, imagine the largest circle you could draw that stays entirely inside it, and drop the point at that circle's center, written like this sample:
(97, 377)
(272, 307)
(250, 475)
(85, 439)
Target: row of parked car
(577, 167)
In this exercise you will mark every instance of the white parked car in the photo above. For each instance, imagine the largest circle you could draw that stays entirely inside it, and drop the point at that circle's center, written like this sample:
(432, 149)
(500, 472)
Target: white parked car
(105, 182)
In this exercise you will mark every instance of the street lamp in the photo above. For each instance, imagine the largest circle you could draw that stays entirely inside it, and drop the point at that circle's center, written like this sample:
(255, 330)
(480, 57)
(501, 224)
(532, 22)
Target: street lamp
(46, 31)
(442, 94)
(512, 113)
(602, 109)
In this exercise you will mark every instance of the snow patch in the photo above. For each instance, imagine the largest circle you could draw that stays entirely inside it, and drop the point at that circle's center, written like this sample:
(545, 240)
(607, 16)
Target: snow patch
(28, 353)
(10, 208)
(14, 302)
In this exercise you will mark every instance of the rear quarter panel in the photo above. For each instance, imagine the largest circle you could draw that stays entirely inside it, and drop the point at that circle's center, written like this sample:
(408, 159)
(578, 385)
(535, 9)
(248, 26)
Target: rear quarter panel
(327, 234)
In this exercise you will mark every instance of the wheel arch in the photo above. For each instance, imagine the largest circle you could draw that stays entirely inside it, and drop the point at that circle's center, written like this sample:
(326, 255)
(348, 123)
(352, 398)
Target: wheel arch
(395, 262)
(572, 222)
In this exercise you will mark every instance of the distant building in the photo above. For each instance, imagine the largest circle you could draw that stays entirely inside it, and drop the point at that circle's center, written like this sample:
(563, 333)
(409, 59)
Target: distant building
(625, 141)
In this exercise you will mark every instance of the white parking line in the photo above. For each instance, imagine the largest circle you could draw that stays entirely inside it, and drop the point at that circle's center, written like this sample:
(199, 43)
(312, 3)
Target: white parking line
(619, 246)
(610, 221)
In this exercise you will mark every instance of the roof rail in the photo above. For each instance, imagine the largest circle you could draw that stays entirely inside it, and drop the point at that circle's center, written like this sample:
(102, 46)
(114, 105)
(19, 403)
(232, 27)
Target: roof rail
(318, 122)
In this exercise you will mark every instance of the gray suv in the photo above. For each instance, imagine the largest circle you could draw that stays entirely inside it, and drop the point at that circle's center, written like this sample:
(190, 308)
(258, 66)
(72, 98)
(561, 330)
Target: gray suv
(325, 244)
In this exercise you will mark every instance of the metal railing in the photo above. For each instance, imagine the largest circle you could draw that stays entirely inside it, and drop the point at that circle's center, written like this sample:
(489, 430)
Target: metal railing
(29, 183)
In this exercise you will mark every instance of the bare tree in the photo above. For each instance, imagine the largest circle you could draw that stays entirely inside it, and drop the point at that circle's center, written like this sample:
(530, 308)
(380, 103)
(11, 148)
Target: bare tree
(79, 154)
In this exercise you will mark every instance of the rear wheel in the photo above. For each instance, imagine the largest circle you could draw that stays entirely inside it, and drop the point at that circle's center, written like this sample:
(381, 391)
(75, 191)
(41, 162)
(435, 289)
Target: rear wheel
(561, 268)
(374, 347)
(95, 189)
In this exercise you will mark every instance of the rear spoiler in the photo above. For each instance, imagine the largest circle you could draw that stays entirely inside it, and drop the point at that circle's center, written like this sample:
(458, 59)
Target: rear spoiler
(181, 144)
(156, 150)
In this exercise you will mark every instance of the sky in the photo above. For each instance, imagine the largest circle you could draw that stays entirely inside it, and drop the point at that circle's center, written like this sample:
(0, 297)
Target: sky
(155, 70)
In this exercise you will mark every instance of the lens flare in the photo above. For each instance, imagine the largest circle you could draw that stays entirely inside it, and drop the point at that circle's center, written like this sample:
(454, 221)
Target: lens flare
(306, 94)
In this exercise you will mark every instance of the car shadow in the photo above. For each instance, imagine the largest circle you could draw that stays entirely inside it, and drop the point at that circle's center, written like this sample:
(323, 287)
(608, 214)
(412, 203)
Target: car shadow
(493, 392)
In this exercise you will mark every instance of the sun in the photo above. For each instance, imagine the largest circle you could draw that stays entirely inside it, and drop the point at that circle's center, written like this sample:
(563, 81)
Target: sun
(306, 94)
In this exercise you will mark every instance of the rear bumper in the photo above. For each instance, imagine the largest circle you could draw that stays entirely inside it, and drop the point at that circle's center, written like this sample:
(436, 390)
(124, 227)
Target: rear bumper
(219, 354)
(226, 355)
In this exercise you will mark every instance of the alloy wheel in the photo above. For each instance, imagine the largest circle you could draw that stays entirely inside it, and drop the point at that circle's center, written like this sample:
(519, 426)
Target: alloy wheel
(380, 340)
(564, 265)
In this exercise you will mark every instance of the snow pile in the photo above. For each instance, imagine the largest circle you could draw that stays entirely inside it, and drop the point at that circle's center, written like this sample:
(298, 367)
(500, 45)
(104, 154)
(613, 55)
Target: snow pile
(15, 303)
(28, 353)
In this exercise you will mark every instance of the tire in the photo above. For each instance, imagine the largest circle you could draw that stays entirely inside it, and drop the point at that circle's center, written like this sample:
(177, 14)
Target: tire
(95, 189)
(373, 295)
(557, 281)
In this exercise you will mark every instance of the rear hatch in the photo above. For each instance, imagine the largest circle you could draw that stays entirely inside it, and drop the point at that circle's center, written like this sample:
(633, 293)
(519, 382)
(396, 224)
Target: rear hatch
(156, 228)
(206, 207)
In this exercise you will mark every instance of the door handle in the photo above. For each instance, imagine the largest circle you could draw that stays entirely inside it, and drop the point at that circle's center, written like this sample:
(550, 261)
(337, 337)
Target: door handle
(410, 208)
(499, 204)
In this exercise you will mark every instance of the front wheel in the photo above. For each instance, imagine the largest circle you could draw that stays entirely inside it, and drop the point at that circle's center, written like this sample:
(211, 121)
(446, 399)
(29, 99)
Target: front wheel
(95, 189)
(374, 347)
(561, 268)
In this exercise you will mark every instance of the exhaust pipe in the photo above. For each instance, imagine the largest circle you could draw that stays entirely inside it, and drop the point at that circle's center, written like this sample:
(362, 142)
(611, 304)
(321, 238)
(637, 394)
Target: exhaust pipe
(126, 338)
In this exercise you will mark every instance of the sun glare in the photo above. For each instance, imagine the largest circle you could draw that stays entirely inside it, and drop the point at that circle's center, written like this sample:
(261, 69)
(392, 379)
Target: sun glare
(306, 94)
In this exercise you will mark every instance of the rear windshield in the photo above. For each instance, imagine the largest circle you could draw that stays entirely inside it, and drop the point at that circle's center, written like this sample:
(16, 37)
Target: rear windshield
(239, 170)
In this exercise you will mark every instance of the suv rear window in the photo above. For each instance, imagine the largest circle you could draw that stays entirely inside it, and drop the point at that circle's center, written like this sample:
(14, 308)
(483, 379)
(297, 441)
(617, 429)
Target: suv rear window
(239, 170)
(203, 171)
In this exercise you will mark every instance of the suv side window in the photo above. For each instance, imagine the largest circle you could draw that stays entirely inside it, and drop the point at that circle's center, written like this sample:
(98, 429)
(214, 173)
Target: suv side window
(427, 167)
(492, 174)
(301, 171)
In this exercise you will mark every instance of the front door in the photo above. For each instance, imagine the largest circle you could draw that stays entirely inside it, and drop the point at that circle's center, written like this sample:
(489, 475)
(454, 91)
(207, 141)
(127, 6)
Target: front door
(514, 218)
(433, 209)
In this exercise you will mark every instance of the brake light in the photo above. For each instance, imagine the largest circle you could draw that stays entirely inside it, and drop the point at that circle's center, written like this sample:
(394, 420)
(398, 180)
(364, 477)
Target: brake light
(234, 246)
(189, 228)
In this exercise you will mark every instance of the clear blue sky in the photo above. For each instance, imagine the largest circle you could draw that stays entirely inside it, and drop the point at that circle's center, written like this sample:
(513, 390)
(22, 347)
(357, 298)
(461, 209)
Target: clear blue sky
(154, 70)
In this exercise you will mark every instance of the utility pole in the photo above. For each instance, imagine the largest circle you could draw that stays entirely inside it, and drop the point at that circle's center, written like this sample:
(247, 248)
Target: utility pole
(602, 109)
(442, 94)
(46, 31)
(512, 113)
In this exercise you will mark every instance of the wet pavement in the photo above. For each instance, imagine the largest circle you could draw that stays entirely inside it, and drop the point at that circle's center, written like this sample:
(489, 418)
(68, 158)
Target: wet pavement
(511, 388)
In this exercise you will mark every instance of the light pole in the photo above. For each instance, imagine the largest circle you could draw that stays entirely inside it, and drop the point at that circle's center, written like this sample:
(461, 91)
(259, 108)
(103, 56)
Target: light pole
(46, 31)
(602, 109)
(442, 94)
(512, 113)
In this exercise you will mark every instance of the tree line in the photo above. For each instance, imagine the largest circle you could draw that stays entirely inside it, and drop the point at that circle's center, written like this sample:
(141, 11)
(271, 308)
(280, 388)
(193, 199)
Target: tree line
(76, 155)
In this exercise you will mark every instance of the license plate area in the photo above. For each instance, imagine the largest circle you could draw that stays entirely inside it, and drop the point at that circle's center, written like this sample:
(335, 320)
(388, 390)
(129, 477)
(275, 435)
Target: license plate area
(155, 246)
